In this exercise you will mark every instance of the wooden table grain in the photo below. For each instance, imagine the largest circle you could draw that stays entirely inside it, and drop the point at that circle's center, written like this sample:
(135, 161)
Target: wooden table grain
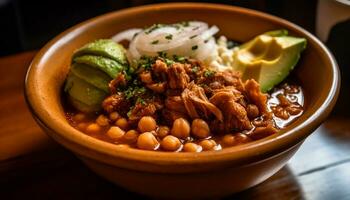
(33, 166)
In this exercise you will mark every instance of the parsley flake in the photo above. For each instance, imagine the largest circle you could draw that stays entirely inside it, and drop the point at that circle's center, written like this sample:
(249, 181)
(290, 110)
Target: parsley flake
(169, 37)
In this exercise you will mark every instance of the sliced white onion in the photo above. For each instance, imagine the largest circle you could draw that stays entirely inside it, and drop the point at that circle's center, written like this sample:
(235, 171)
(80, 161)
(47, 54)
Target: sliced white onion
(194, 40)
(126, 35)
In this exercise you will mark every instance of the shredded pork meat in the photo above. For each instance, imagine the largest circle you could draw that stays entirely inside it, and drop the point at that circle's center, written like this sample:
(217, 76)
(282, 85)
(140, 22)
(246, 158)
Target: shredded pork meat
(191, 90)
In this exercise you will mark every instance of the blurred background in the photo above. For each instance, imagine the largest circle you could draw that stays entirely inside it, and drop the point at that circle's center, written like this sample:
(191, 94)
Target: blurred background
(28, 25)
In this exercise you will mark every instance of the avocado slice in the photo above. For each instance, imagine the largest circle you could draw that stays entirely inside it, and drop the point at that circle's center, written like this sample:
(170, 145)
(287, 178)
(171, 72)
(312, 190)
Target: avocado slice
(84, 92)
(106, 48)
(109, 66)
(268, 58)
(84, 107)
(91, 75)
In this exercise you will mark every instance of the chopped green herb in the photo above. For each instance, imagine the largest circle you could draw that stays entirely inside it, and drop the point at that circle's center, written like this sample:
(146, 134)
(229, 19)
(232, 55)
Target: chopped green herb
(195, 69)
(195, 28)
(194, 47)
(135, 91)
(130, 111)
(155, 42)
(169, 37)
(193, 36)
(145, 62)
(150, 29)
(179, 58)
(168, 62)
(209, 73)
(141, 101)
(162, 54)
(205, 41)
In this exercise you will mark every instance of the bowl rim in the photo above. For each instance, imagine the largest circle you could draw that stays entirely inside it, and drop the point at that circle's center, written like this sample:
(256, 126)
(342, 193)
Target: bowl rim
(242, 153)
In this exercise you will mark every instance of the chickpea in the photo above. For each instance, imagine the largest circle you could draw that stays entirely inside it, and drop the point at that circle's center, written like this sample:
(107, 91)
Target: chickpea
(122, 123)
(79, 117)
(181, 128)
(207, 144)
(163, 131)
(93, 128)
(102, 120)
(170, 143)
(147, 124)
(147, 141)
(114, 116)
(229, 140)
(192, 147)
(115, 132)
(82, 126)
(242, 138)
(131, 136)
(200, 128)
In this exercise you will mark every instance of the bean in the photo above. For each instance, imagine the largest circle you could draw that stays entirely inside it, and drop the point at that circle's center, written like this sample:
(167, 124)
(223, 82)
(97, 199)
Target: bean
(207, 144)
(79, 117)
(82, 126)
(114, 116)
(102, 120)
(122, 123)
(147, 124)
(147, 141)
(163, 131)
(93, 128)
(170, 143)
(192, 147)
(131, 136)
(229, 140)
(181, 128)
(115, 132)
(200, 128)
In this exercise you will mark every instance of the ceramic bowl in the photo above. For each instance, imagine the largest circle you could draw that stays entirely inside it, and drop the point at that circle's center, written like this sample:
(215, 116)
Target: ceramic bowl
(181, 175)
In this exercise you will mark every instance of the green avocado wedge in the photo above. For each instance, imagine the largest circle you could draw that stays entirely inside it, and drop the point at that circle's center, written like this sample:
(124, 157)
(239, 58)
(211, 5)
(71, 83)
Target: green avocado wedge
(268, 58)
(106, 48)
(83, 91)
(91, 75)
(84, 107)
(109, 66)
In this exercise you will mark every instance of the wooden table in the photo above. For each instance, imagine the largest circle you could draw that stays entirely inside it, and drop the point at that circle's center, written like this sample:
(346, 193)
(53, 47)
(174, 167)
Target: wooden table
(33, 166)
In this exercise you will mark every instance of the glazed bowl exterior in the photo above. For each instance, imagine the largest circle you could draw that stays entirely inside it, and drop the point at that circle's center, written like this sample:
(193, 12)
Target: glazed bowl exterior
(181, 175)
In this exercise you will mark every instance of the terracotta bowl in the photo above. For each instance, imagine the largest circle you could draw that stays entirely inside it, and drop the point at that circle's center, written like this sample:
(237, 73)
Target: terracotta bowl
(181, 175)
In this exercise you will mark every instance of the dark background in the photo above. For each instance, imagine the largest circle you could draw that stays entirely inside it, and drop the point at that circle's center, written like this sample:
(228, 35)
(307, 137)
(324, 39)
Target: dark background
(29, 24)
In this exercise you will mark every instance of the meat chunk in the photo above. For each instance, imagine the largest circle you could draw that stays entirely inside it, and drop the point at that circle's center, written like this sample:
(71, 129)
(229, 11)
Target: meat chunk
(177, 77)
(253, 94)
(120, 80)
(235, 115)
(160, 67)
(262, 132)
(157, 87)
(116, 102)
(146, 77)
(170, 116)
(140, 110)
(175, 103)
(197, 103)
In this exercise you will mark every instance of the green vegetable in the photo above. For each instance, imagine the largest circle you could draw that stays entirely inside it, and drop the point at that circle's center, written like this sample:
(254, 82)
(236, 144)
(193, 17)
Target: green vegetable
(84, 92)
(109, 66)
(91, 75)
(93, 67)
(104, 47)
(268, 58)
